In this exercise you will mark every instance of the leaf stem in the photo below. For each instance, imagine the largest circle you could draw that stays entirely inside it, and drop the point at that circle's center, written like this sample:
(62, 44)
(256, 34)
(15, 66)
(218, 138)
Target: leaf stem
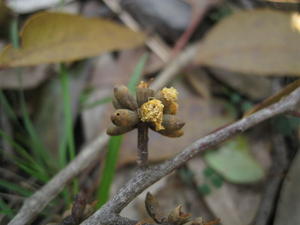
(142, 144)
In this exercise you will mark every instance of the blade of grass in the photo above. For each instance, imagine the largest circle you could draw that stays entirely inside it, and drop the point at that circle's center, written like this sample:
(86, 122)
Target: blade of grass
(37, 171)
(7, 108)
(41, 171)
(27, 169)
(38, 148)
(15, 188)
(36, 144)
(109, 169)
(115, 143)
(5, 209)
(14, 30)
(137, 73)
(68, 143)
(68, 128)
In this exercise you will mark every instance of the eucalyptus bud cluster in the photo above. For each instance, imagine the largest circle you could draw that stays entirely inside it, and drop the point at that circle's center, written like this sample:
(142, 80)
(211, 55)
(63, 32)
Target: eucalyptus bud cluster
(157, 110)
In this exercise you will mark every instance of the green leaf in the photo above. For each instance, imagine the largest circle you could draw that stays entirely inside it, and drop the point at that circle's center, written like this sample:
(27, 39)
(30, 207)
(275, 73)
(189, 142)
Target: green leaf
(234, 161)
(261, 41)
(50, 37)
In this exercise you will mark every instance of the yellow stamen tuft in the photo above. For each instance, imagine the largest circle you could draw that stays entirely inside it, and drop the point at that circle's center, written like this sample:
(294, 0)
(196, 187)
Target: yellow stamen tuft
(152, 111)
(170, 94)
(143, 84)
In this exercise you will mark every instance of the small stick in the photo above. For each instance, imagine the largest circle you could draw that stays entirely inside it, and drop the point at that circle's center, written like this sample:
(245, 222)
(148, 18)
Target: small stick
(200, 8)
(142, 144)
(155, 43)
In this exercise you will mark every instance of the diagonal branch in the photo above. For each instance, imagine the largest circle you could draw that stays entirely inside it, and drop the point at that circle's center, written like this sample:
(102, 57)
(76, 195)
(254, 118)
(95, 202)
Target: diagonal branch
(144, 178)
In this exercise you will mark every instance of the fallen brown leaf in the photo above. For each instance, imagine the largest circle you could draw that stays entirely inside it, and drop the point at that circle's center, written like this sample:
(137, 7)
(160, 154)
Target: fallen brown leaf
(49, 37)
(262, 42)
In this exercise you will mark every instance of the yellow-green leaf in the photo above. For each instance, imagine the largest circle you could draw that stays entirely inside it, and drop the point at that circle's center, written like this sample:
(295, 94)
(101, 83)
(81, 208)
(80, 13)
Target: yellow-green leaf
(262, 42)
(50, 37)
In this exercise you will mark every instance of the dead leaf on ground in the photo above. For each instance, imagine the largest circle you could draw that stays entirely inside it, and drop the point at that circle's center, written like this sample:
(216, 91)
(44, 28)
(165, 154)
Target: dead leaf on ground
(58, 37)
(254, 87)
(262, 42)
(218, 199)
(200, 82)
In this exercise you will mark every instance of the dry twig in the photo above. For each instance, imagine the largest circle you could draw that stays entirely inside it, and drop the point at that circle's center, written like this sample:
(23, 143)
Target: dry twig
(175, 66)
(199, 8)
(276, 176)
(154, 43)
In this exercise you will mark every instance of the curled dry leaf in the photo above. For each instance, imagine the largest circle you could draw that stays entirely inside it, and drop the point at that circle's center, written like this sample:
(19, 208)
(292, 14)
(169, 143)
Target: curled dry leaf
(50, 37)
(262, 42)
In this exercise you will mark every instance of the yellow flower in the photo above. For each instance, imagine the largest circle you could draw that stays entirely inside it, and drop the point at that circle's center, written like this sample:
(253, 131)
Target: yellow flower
(152, 111)
(170, 94)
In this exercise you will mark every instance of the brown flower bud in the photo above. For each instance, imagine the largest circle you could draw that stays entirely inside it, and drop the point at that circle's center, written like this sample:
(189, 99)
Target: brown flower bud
(172, 123)
(143, 95)
(171, 106)
(114, 130)
(115, 103)
(171, 133)
(125, 99)
(125, 118)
